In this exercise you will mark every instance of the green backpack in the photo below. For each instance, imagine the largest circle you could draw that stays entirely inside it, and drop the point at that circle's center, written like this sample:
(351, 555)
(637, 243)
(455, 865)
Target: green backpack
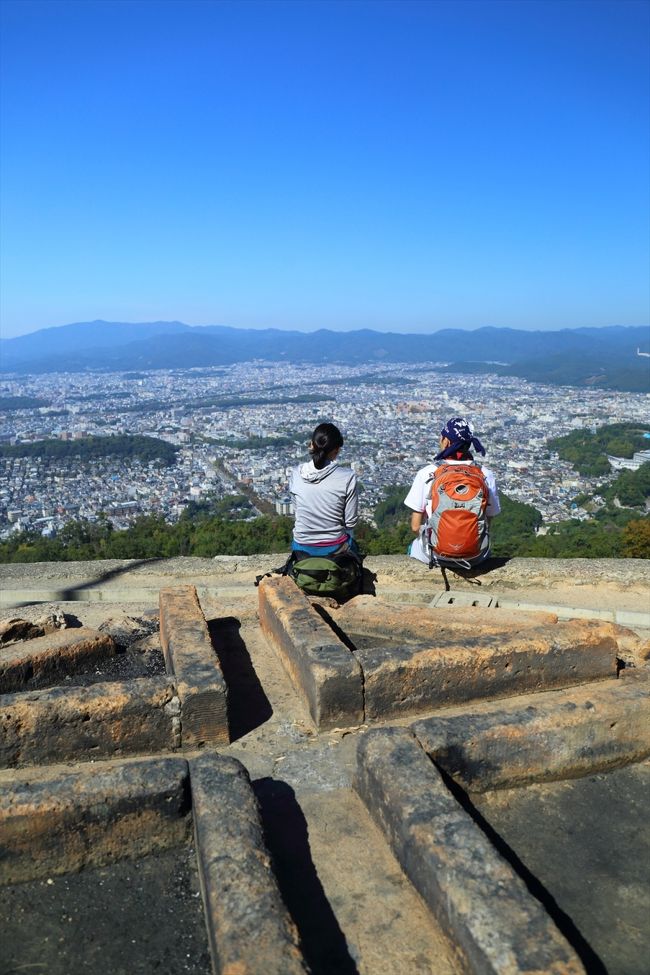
(338, 576)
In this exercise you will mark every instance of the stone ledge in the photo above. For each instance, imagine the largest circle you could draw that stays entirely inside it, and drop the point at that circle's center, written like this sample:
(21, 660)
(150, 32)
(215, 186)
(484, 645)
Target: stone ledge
(484, 907)
(484, 663)
(51, 656)
(74, 818)
(321, 667)
(191, 659)
(518, 573)
(372, 615)
(249, 928)
(99, 721)
(556, 735)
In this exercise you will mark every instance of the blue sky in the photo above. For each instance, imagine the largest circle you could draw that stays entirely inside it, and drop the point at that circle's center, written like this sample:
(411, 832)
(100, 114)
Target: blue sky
(400, 166)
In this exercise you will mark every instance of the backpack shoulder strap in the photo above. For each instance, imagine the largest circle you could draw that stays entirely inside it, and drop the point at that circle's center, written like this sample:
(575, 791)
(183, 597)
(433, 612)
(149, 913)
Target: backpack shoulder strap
(282, 570)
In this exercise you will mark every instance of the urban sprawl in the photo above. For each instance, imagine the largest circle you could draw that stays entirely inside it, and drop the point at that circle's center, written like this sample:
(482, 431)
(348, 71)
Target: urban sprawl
(390, 415)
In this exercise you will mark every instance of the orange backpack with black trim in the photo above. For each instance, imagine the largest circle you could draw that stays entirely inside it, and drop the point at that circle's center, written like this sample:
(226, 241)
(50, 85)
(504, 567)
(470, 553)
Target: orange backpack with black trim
(457, 529)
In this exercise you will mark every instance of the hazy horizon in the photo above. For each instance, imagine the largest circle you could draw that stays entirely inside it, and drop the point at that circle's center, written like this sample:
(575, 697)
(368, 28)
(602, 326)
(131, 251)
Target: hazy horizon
(394, 331)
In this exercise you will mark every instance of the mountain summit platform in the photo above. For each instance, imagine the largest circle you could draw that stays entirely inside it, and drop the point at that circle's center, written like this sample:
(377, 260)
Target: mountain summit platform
(440, 776)
(609, 586)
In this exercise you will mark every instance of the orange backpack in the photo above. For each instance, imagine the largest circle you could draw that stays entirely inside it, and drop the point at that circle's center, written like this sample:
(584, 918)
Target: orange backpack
(456, 530)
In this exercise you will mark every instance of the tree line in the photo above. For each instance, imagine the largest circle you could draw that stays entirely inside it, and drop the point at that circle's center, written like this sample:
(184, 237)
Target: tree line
(207, 529)
(587, 451)
(126, 446)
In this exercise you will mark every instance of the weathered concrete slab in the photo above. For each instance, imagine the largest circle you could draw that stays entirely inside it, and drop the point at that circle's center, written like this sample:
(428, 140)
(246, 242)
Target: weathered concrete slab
(418, 677)
(47, 658)
(67, 819)
(555, 735)
(459, 599)
(84, 723)
(519, 573)
(486, 909)
(369, 614)
(190, 657)
(249, 928)
(319, 664)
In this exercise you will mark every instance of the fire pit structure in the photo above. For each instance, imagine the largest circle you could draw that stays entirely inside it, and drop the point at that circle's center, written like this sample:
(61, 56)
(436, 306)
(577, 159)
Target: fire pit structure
(217, 778)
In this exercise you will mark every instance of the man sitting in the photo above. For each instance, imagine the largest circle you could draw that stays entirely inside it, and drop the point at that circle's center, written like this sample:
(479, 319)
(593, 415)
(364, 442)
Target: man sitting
(453, 501)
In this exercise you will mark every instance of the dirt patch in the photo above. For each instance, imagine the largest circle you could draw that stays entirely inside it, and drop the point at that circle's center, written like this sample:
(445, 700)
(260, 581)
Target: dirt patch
(131, 918)
(123, 666)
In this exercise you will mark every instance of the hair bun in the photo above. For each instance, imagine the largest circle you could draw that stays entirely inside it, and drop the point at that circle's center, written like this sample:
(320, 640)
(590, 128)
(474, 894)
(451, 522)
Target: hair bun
(325, 439)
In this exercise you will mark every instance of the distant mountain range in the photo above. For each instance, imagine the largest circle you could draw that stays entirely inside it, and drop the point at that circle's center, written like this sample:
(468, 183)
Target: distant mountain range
(602, 357)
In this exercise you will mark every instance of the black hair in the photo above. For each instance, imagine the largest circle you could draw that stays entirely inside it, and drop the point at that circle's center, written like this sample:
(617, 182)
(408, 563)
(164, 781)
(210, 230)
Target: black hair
(325, 438)
(464, 451)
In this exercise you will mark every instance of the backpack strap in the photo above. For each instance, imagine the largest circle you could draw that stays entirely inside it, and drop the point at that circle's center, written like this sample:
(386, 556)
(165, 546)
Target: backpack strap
(282, 570)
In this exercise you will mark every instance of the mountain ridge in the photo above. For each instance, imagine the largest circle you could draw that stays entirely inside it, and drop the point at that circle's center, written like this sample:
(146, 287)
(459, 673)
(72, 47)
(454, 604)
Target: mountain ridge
(555, 356)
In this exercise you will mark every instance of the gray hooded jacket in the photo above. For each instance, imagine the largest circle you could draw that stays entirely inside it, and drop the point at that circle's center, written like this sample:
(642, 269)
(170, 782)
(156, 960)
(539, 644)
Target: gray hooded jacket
(326, 502)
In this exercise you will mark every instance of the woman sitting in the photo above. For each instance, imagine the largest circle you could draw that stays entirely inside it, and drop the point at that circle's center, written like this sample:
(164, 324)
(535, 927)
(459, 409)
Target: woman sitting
(325, 496)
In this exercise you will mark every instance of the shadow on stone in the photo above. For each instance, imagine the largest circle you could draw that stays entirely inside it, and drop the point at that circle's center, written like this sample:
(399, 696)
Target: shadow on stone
(71, 595)
(588, 957)
(341, 634)
(248, 705)
(368, 583)
(72, 622)
(287, 838)
(474, 575)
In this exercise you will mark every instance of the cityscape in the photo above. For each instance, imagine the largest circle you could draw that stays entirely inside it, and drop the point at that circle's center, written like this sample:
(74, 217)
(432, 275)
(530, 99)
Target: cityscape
(240, 429)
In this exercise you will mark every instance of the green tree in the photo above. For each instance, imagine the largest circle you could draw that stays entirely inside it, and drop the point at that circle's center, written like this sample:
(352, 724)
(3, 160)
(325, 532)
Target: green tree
(636, 539)
(391, 511)
(514, 529)
(631, 488)
(144, 449)
(587, 451)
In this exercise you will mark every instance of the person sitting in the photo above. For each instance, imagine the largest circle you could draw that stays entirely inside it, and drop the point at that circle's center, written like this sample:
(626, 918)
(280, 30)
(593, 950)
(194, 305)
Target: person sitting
(453, 501)
(325, 497)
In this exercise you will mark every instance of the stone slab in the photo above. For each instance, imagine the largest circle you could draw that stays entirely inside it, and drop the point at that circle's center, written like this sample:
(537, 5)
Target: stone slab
(420, 677)
(369, 614)
(485, 908)
(190, 657)
(633, 618)
(47, 658)
(249, 928)
(84, 723)
(13, 629)
(461, 599)
(321, 667)
(548, 736)
(68, 819)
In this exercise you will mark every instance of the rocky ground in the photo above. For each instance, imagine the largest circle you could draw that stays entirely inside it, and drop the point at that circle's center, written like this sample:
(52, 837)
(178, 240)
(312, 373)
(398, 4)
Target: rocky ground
(355, 910)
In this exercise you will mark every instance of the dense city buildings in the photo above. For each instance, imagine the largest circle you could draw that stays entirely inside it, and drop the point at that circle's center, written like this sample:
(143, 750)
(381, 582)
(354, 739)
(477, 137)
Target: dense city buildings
(242, 428)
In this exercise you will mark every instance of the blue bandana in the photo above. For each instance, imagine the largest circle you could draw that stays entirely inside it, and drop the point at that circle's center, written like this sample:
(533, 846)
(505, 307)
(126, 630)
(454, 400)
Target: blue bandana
(461, 436)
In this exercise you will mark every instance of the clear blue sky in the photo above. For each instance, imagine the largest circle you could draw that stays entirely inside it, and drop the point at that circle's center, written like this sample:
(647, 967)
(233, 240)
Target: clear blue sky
(402, 166)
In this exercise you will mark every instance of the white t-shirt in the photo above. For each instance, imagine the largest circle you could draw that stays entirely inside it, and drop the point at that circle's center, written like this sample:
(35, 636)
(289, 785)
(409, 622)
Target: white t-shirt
(418, 499)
